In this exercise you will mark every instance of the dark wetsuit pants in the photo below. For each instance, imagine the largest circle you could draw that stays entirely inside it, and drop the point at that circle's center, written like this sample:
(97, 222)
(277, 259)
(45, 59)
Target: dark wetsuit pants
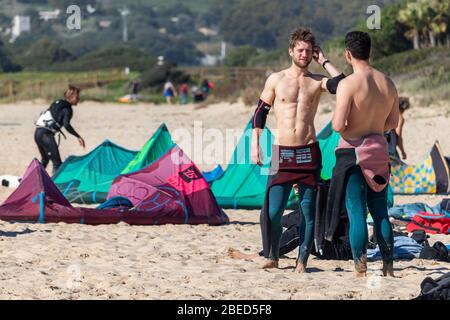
(278, 199)
(48, 148)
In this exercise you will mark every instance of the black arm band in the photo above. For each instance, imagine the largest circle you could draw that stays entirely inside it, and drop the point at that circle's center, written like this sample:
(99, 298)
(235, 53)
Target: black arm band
(260, 117)
(332, 83)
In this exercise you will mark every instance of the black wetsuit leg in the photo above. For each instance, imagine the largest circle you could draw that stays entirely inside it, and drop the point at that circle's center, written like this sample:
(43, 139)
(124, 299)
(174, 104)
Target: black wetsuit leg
(289, 238)
(48, 148)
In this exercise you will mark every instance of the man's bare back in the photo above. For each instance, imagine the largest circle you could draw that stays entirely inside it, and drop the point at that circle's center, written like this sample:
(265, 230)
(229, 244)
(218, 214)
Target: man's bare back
(366, 105)
(370, 99)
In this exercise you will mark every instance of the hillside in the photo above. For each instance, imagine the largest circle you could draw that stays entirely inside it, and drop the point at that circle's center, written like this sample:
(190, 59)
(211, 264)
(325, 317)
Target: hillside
(424, 73)
(171, 28)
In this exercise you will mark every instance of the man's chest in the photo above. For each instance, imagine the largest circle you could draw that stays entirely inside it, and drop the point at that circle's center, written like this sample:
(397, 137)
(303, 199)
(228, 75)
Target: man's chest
(295, 91)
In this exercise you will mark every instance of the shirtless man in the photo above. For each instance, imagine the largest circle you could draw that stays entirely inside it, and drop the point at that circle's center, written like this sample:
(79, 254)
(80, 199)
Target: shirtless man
(294, 94)
(367, 105)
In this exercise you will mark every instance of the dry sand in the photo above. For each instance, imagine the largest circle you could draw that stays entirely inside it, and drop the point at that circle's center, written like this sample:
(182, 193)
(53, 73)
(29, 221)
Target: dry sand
(60, 261)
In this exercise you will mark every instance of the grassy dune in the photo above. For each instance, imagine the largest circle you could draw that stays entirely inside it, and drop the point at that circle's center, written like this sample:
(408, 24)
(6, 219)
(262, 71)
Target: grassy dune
(424, 74)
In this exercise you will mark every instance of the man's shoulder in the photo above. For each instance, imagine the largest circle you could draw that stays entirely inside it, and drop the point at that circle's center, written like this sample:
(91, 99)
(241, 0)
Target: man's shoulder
(353, 79)
(274, 78)
(276, 75)
(317, 76)
(60, 103)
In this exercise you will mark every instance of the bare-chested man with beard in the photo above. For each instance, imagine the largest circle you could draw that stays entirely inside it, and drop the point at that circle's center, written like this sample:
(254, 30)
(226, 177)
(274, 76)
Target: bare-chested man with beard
(294, 94)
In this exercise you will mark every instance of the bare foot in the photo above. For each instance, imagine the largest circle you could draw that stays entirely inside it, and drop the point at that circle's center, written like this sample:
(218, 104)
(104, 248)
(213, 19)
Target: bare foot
(388, 269)
(360, 274)
(238, 255)
(300, 267)
(361, 267)
(271, 264)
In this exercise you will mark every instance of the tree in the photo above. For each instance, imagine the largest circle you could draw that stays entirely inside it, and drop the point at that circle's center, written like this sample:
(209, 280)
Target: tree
(412, 17)
(390, 38)
(159, 74)
(240, 57)
(426, 19)
(6, 65)
(44, 53)
(439, 17)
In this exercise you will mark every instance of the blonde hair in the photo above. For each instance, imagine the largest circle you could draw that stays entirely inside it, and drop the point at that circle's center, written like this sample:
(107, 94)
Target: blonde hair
(72, 91)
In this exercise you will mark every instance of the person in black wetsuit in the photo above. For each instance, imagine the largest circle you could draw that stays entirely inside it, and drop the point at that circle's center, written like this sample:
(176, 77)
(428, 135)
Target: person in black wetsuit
(51, 122)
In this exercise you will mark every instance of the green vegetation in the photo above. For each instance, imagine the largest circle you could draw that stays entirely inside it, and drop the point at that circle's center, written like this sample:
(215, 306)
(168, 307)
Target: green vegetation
(257, 30)
(240, 57)
(50, 85)
(423, 73)
(118, 56)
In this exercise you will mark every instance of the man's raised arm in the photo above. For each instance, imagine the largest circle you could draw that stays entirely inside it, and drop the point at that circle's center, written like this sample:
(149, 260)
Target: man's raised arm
(328, 84)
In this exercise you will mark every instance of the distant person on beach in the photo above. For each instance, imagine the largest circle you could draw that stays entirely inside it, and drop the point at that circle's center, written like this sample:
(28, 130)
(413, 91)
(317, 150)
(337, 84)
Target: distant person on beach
(169, 92)
(205, 88)
(395, 137)
(294, 95)
(197, 95)
(184, 93)
(134, 94)
(51, 122)
(367, 105)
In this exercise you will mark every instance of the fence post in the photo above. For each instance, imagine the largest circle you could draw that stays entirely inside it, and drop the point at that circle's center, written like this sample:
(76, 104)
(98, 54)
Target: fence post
(11, 91)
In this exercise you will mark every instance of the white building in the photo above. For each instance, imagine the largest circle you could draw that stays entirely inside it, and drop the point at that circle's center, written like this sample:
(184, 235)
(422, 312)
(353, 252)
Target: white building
(208, 32)
(20, 25)
(49, 15)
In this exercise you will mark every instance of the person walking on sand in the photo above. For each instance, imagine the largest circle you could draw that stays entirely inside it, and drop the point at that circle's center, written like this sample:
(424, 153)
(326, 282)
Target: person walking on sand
(184, 93)
(51, 122)
(294, 95)
(169, 92)
(367, 105)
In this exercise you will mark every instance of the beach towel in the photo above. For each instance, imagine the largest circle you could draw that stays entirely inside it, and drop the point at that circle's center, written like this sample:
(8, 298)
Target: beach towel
(405, 248)
(408, 211)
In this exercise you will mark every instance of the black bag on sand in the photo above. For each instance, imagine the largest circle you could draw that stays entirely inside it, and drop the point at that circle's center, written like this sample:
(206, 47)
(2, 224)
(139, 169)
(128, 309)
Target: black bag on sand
(438, 289)
(420, 236)
(445, 205)
(437, 252)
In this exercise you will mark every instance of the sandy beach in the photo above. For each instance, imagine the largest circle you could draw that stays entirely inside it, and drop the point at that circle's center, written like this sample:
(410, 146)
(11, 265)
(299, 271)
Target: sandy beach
(61, 261)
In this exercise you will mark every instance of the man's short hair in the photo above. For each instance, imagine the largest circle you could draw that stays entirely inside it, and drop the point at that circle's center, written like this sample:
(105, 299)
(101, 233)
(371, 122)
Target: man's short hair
(72, 90)
(302, 34)
(404, 103)
(359, 44)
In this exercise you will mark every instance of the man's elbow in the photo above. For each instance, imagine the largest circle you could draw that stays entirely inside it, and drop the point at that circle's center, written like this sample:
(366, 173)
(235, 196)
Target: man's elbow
(390, 125)
(338, 127)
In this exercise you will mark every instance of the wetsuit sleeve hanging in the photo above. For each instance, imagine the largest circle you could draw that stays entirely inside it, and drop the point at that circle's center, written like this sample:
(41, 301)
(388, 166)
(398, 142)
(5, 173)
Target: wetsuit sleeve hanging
(67, 116)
